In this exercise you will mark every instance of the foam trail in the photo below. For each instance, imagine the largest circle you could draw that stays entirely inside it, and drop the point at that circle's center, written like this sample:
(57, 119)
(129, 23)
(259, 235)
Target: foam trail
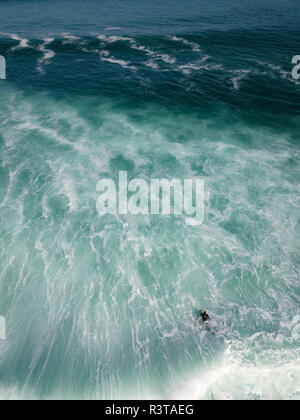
(70, 37)
(112, 38)
(113, 28)
(103, 307)
(24, 43)
(240, 76)
(189, 68)
(48, 55)
(156, 56)
(107, 57)
(275, 71)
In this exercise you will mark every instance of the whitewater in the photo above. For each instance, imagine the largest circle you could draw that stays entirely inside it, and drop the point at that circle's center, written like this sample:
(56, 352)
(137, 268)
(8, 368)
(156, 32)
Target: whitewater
(103, 307)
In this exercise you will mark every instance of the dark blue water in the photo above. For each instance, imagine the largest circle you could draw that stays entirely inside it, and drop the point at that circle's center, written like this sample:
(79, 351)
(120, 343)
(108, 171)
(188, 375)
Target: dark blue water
(102, 307)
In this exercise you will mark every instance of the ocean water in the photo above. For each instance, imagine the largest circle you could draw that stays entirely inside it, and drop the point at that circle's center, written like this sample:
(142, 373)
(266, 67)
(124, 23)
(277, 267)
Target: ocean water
(103, 307)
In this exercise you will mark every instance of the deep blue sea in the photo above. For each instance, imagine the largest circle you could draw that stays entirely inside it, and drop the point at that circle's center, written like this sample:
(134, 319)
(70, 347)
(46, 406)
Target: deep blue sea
(102, 307)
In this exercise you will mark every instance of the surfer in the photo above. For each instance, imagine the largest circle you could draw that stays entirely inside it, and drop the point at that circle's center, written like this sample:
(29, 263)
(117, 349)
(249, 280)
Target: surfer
(204, 317)
(205, 320)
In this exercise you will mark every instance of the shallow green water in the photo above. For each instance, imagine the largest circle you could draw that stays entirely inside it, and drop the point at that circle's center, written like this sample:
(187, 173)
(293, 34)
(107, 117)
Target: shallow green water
(102, 307)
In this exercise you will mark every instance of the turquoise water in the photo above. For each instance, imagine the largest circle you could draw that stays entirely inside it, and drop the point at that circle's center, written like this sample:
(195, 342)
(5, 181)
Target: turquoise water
(103, 307)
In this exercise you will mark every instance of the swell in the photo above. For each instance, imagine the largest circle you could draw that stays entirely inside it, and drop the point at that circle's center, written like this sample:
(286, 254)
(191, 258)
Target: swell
(195, 70)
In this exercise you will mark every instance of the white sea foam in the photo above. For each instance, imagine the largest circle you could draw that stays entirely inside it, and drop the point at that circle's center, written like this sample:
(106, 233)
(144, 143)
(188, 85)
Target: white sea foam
(189, 68)
(231, 380)
(15, 37)
(113, 28)
(23, 42)
(195, 47)
(155, 56)
(277, 70)
(152, 64)
(106, 56)
(70, 37)
(240, 76)
(112, 38)
(80, 273)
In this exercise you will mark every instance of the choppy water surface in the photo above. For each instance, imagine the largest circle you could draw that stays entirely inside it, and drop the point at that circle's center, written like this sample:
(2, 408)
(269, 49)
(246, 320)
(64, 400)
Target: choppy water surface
(103, 307)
